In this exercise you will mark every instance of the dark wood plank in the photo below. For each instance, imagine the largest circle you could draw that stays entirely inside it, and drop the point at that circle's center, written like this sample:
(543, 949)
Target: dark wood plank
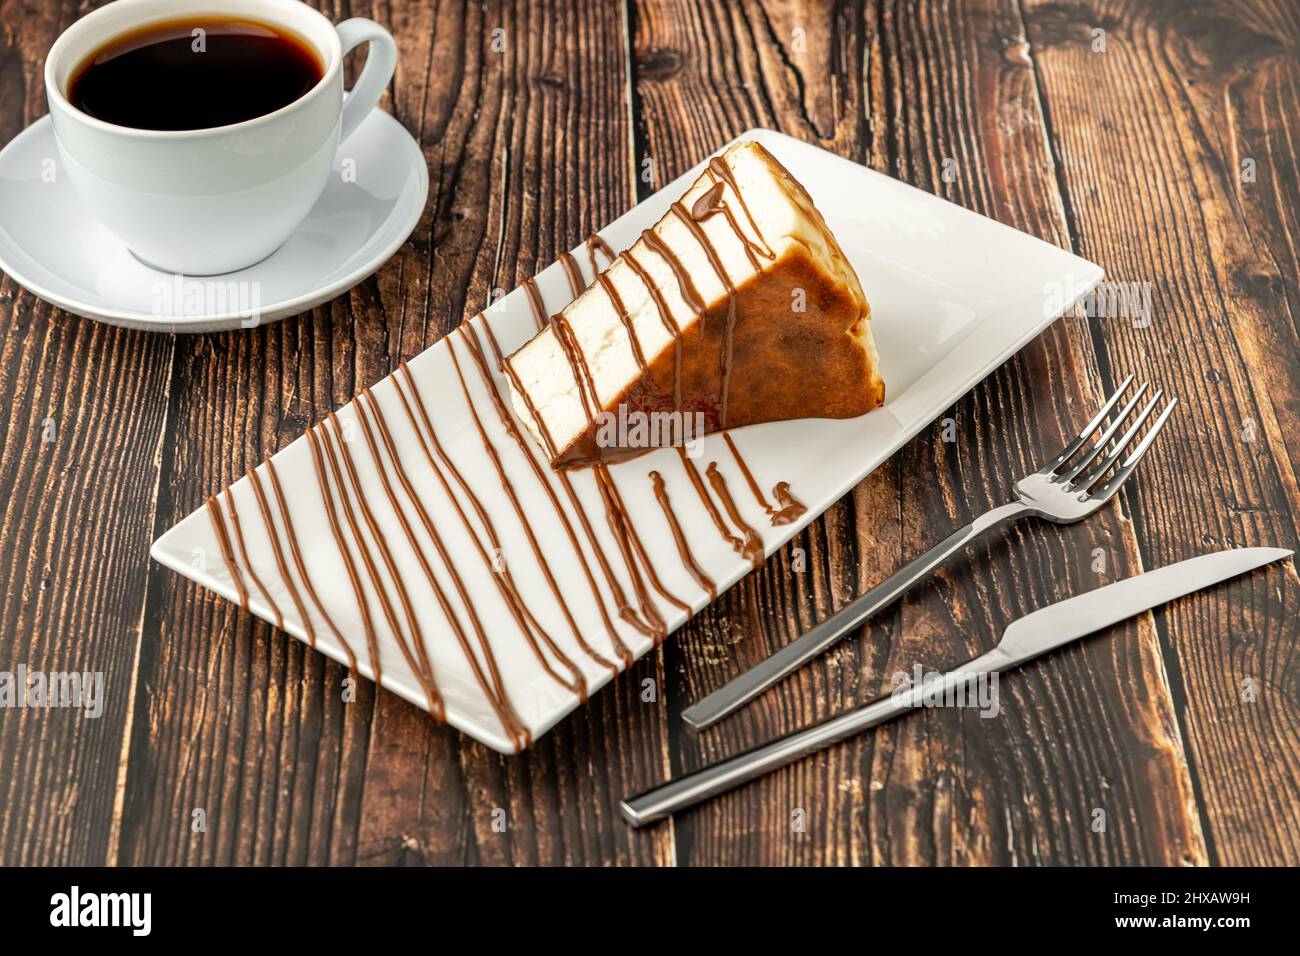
(1152, 134)
(529, 150)
(942, 82)
(80, 429)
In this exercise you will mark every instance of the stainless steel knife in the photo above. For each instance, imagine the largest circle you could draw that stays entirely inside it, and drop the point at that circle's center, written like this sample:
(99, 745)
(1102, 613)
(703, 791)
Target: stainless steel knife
(1037, 633)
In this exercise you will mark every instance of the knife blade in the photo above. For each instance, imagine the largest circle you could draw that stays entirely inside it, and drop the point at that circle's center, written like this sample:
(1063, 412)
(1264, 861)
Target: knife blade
(1057, 624)
(1036, 633)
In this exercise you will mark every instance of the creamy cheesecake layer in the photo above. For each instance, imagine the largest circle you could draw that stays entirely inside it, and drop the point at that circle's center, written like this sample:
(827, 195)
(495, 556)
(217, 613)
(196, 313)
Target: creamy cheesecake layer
(799, 345)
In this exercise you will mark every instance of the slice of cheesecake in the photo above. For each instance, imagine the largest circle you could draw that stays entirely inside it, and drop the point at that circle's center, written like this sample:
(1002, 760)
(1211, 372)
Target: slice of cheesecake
(737, 307)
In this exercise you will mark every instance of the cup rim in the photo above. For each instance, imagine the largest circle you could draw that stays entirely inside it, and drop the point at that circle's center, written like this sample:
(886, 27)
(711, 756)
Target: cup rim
(57, 97)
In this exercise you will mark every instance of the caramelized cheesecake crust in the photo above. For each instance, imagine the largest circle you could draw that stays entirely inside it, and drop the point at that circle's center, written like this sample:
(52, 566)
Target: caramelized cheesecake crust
(773, 321)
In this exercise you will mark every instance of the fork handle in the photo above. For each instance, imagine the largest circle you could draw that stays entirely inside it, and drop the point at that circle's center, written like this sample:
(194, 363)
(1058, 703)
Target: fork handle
(667, 798)
(740, 690)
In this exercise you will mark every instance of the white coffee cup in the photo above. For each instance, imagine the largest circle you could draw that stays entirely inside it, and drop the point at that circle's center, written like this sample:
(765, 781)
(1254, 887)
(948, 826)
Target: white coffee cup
(209, 201)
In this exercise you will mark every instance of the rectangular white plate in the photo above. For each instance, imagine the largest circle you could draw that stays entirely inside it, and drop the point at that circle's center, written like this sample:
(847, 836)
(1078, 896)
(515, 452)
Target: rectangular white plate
(953, 295)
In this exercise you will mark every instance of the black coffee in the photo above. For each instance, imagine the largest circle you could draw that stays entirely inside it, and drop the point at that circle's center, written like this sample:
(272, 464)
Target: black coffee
(194, 74)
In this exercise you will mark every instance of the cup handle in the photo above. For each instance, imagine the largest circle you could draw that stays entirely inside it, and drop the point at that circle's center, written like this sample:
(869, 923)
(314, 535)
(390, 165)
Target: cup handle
(381, 61)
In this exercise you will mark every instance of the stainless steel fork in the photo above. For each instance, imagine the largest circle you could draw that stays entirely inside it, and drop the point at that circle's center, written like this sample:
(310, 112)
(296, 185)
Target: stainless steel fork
(1060, 491)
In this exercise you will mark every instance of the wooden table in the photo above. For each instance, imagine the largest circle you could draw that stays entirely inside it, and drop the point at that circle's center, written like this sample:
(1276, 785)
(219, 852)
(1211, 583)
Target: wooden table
(1156, 138)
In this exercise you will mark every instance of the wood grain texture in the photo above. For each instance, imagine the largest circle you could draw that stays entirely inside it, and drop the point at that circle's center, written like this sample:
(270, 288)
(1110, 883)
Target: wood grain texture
(1152, 134)
(541, 122)
(82, 415)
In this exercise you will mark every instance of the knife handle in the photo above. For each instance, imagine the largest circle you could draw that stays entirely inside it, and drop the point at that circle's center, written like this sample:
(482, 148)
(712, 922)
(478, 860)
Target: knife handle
(668, 798)
(739, 691)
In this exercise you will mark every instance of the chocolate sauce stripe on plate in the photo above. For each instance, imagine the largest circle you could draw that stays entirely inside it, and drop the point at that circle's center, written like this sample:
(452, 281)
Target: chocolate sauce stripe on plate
(501, 575)
(519, 608)
(291, 534)
(233, 514)
(574, 272)
(791, 509)
(535, 302)
(596, 244)
(753, 541)
(621, 511)
(618, 526)
(268, 524)
(490, 682)
(650, 623)
(345, 551)
(411, 644)
(679, 538)
(227, 555)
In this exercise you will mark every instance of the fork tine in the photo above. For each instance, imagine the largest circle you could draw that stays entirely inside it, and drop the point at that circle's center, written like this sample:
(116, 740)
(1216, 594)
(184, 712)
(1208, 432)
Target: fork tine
(1088, 429)
(1127, 468)
(1100, 447)
(1092, 477)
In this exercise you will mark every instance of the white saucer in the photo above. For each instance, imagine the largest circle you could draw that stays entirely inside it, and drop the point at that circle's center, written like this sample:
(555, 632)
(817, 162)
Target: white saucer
(51, 246)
